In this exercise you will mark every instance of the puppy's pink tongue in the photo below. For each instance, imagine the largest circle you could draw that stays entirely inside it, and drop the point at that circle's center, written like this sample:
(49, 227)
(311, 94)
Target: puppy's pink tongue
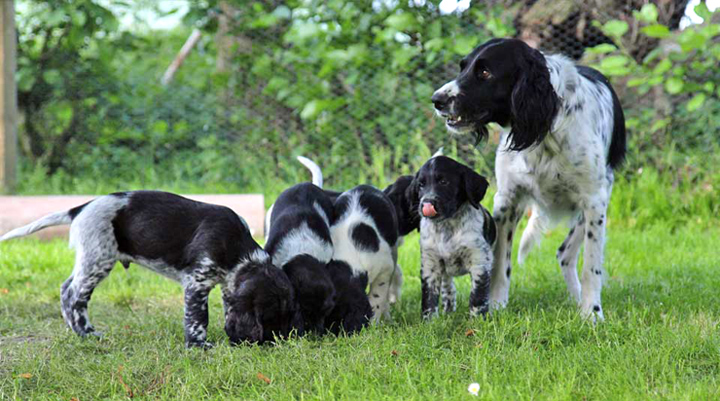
(428, 210)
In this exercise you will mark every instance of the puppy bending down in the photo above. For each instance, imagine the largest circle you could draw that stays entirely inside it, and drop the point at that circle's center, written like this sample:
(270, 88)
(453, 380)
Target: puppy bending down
(456, 234)
(197, 244)
(299, 241)
(365, 234)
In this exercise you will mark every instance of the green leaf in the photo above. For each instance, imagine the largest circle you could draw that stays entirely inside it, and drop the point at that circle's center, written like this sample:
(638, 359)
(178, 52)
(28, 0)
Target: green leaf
(401, 22)
(615, 28)
(648, 13)
(656, 31)
(311, 110)
(662, 67)
(614, 62)
(464, 44)
(25, 79)
(696, 102)
(159, 128)
(52, 77)
(78, 17)
(709, 87)
(702, 11)
(282, 12)
(659, 124)
(636, 82)
(690, 40)
(602, 48)
(674, 85)
(435, 29)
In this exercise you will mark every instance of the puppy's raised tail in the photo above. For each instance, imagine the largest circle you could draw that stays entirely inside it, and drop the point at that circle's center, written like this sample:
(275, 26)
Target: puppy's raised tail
(317, 177)
(532, 235)
(54, 219)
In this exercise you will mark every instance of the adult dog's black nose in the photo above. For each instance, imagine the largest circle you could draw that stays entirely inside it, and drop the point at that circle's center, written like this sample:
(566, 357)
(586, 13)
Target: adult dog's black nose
(440, 100)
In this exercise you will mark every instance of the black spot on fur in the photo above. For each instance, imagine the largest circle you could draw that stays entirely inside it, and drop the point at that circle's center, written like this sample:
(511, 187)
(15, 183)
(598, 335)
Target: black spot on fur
(365, 238)
(489, 228)
(596, 308)
(507, 272)
(590, 234)
(616, 154)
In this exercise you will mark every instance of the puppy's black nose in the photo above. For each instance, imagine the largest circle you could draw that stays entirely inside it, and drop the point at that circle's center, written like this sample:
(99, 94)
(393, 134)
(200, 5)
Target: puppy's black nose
(440, 100)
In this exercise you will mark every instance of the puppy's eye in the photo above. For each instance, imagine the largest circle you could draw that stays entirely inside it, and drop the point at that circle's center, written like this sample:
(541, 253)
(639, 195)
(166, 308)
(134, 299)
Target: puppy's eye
(421, 183)
(443, 182)
(485, 74)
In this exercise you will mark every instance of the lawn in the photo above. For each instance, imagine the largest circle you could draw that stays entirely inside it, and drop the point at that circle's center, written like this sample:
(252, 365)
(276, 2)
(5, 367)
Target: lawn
(660, 338)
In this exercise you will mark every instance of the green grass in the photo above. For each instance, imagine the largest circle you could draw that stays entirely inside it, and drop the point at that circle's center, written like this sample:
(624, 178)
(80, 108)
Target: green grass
(660, 338)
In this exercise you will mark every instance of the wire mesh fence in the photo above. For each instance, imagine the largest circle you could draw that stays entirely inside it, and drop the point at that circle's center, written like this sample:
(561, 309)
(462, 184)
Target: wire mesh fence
(347, 84)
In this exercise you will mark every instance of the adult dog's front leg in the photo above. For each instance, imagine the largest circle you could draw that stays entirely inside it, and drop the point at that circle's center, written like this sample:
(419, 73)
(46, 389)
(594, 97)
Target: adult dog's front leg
(506, 214)
(196, 315)
(431, 280)
(592, 274)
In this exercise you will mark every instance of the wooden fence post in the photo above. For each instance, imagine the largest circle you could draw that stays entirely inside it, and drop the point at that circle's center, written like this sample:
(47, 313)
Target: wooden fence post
(8, 97)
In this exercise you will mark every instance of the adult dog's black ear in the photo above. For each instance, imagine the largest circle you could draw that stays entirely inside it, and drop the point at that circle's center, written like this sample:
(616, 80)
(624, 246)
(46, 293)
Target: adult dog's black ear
(475, 187)
(534, 103)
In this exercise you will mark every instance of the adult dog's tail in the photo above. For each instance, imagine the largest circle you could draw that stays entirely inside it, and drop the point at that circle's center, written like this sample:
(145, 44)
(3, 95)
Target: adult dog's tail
(317, 177)
(55, 219)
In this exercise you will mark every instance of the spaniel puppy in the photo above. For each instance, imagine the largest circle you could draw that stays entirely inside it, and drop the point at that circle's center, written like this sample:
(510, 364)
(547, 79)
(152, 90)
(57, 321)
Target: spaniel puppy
(365, 234)
(299, 241)
(196, 244)
(456, 234)
(563, 135)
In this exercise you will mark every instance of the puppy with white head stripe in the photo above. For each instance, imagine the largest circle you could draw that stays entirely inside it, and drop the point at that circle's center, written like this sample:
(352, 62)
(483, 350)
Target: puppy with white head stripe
(299, 241)
(197, 244)
(365, 234)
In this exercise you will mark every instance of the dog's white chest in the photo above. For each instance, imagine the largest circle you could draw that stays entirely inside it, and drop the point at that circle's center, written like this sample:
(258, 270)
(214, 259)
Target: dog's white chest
(452, 247)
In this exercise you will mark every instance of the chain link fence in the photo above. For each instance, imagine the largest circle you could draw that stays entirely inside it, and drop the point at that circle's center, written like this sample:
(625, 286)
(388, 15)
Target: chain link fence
(345, 84)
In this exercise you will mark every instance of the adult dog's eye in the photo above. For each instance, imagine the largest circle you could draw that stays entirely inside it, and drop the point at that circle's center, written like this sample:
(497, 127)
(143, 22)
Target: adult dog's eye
(443, 182)
(485, 74)
(421, 183)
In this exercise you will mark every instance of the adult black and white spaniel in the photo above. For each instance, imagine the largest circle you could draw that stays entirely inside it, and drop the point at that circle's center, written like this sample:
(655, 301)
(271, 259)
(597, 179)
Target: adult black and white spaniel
(564, 133)
(197, 244)
(456, 234)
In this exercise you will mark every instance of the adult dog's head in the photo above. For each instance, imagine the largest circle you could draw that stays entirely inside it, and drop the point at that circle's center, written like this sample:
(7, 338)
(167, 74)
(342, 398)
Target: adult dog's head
(263, 305)
(442, 186)
(314, 289)
(504, 81)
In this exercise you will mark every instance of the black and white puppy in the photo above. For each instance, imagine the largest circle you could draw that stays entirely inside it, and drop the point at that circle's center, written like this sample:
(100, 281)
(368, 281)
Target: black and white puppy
(564, 134)
(456, 234)
(365, 234)
(197, 244)
(299, 241)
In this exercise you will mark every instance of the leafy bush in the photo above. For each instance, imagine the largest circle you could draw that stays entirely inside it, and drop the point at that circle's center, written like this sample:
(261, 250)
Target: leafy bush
(671, 97)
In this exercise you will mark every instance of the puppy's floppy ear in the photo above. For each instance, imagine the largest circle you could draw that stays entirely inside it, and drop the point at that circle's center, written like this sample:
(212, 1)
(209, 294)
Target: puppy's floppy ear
(411, 193)
(534, 103)
(475, 187)
(243, 320)
(244, 326)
